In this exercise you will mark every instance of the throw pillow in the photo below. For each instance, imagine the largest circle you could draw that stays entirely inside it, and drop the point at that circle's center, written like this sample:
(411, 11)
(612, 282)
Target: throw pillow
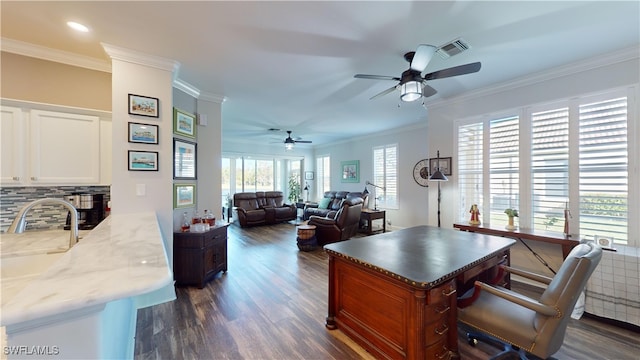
(324, 203)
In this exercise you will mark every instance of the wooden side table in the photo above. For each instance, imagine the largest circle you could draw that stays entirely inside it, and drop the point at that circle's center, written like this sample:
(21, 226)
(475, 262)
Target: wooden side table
(369, 215)
(197, 257)
(307, 237)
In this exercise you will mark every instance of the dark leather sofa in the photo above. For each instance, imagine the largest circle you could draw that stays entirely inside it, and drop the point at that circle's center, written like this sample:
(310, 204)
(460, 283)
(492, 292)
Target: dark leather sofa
(262, 208)
(336, 198)
(340, 225)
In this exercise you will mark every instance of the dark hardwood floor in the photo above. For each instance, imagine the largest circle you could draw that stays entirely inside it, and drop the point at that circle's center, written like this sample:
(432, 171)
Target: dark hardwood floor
(272, 303)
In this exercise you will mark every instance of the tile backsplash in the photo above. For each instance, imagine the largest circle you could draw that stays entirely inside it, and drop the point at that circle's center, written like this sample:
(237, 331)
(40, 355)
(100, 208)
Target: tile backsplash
(12, 199)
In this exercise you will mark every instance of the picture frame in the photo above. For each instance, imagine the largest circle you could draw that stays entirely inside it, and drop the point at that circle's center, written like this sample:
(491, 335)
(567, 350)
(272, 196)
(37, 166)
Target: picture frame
(445, 165)
(142, 160)
(184, 160)
(184, 195)
(308, 175)
(143, 133)
(144, 106)
(184, 123)
(350, 171)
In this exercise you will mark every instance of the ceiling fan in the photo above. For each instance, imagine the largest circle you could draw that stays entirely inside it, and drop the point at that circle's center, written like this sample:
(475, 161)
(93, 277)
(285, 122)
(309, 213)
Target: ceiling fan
(412, 84)
(289, 142)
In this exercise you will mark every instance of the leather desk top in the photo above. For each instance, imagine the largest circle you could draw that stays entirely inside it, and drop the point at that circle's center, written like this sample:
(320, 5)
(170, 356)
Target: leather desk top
(423, 256)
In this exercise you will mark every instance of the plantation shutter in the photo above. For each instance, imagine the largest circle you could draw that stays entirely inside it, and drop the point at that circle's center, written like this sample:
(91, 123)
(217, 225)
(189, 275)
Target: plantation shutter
(604, 169)
(504, 163)
(550, 168)
(470, 165)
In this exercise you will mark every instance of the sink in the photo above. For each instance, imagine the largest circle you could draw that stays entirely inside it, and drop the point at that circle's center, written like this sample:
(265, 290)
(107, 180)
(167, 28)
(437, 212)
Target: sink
(16, 272)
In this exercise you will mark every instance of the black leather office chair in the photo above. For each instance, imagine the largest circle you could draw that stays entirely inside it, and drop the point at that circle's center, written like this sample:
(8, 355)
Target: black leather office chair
(524, 325)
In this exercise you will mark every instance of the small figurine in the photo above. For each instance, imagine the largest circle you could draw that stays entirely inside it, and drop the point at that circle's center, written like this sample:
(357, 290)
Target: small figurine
(475, 215)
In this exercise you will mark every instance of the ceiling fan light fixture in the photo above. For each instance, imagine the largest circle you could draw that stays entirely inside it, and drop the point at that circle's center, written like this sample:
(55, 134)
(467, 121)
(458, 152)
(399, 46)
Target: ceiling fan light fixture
(289, 143)
(411, 91)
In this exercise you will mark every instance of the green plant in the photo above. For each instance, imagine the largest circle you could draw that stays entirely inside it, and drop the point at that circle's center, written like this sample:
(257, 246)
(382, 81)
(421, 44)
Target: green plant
(511, 212)
(294, 187)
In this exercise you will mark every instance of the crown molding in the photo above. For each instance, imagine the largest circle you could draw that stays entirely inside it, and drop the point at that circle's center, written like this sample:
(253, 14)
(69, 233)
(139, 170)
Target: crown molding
(212, 97)
(187, 88)
(615, 57)
(49, 54)
(135, 57)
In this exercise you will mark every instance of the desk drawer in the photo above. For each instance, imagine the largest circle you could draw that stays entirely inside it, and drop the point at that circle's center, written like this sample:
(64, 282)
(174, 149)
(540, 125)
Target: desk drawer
(438, 351)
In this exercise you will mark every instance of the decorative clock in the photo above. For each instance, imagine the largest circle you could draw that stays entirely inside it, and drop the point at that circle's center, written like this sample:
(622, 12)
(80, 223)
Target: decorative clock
(421, 172)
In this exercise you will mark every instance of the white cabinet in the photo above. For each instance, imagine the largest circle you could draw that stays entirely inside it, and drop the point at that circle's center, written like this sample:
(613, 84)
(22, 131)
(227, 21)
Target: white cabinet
(49, 148)
(13, 150)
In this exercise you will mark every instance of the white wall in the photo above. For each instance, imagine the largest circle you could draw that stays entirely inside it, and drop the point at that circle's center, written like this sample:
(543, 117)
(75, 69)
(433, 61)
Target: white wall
(139, 191)
(413, 199)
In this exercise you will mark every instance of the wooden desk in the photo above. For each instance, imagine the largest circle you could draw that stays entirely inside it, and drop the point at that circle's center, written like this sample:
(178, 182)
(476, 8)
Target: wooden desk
(369, 215)
(525, 234)
(395, 293)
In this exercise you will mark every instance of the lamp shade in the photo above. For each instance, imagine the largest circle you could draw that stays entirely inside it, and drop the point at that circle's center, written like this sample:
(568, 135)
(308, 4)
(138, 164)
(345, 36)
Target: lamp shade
(438, 176)
(411, 91)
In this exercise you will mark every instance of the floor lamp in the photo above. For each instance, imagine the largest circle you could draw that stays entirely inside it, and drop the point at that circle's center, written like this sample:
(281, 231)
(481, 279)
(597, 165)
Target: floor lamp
(306, 188)
(439, 177)
(375, 199)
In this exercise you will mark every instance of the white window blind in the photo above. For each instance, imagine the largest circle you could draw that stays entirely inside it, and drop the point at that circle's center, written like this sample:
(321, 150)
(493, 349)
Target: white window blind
(323, 171)
(604, 169)
(470, 178)
(550, 168)
(504, 164)
(385, 174)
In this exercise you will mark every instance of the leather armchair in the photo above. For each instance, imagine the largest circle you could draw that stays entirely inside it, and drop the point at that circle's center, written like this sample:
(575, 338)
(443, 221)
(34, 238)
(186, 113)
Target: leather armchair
(247, 210)
(535, 326)
(338, 225)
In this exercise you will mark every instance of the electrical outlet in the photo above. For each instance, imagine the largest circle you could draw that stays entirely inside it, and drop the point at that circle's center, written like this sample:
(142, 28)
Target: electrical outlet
(389, 222)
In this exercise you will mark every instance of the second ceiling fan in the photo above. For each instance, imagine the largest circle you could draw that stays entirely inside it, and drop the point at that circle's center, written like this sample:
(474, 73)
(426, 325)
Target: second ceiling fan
(289, 142)
(412, 84)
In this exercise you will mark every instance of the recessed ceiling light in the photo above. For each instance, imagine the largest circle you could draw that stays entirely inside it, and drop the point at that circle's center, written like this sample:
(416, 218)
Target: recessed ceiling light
(77, 26)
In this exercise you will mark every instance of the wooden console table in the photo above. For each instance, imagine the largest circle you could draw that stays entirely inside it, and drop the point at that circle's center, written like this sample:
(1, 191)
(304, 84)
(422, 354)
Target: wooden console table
(197, 257)
(369, 215)
(395, 293)
(525, 234)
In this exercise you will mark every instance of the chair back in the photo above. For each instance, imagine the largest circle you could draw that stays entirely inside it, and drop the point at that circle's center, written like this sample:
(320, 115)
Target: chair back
(246, 200)
(562, 293)
(348, 217)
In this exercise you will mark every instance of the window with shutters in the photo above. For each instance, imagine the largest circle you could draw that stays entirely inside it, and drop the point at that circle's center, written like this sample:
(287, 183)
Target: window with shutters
(504, 164)
(549, 168)
(470, 164)
(604, 169)
(323, 173)
(385, 175)
(573, 155)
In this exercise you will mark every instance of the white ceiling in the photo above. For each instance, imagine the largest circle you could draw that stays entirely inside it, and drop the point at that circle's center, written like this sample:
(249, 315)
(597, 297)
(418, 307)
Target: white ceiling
(290, 65)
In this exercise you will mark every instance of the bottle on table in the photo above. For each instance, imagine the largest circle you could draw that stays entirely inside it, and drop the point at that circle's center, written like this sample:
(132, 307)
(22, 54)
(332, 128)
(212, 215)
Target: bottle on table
(209, 218)
(186, 223)
(196, 219)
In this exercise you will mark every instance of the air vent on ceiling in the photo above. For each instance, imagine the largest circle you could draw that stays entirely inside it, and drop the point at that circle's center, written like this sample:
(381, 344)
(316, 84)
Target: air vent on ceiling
(452, 48)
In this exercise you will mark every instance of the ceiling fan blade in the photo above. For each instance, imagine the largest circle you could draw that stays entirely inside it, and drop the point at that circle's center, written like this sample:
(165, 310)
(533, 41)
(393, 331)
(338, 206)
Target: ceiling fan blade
(375, 77)
(303, 141)
(383, 92)
(428, 91)
(422, 57)
(454, 71)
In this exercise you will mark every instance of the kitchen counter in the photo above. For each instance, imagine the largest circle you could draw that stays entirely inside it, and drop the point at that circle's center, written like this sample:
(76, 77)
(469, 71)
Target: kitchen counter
(122, 259)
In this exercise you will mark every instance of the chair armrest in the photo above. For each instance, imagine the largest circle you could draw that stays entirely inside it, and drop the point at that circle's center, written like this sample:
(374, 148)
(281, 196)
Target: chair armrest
(321, 220)
(311, 205)
(518, 299)
(527, 274)
(239, 209)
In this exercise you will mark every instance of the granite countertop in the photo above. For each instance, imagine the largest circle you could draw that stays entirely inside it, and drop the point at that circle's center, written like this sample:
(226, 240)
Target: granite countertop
(122, 257)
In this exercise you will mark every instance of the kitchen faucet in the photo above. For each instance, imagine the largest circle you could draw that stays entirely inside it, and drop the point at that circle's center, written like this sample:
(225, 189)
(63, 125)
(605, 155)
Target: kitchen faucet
(20, 223)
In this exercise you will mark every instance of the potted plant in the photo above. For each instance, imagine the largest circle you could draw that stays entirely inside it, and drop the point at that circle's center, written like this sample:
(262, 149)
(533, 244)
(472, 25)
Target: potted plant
(294, 188)
(511, 213)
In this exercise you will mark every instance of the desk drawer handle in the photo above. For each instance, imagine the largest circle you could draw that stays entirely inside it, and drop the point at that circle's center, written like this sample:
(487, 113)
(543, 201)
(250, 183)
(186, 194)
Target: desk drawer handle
(443, 331)
(453, 291)
(443, 309)
(444, 354)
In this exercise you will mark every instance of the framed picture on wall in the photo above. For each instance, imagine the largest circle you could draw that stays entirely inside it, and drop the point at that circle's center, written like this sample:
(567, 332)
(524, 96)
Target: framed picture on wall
(143, 105)
(350, 171)
(143, 133)
(308, 175)
(184, 160)
(143, 160)
(184, 124)
(184, 195)
(444, 165)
